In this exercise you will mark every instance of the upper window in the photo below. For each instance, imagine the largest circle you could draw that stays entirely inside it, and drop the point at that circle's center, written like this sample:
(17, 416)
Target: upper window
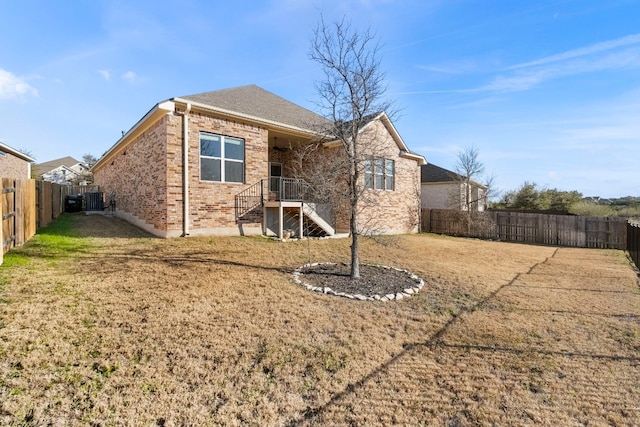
(221, 158)
(379, 173)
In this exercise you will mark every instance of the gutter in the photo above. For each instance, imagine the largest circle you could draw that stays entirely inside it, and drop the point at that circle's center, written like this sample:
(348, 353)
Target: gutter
(185, 170)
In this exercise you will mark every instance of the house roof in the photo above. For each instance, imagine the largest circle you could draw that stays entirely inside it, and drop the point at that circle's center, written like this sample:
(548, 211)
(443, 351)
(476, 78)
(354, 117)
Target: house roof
(431, 173)
(64, 161)
(45, 167)
(246, 102)
(5, 148)
(254, 102)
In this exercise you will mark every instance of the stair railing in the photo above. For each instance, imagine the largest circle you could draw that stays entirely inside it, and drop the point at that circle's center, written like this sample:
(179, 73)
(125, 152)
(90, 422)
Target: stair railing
(250, 199)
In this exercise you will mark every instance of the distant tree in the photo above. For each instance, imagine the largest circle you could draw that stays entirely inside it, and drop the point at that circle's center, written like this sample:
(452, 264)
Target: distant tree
(352, 92)
(86, 176)
(590, 208)
(530, 197)
(89, 160)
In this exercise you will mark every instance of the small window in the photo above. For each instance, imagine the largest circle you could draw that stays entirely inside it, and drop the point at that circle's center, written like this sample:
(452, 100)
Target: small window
(379, 174)
(389, 172)
(221, 158)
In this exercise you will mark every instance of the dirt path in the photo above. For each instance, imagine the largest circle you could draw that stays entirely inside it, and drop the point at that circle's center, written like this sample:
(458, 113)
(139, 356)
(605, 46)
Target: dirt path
(544, 349)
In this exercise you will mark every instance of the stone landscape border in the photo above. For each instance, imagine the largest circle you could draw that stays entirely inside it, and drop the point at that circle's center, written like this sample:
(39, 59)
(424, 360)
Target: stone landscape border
(388, 297)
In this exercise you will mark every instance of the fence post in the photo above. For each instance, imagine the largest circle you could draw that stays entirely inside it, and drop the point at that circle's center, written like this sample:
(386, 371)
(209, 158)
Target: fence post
(1, 224)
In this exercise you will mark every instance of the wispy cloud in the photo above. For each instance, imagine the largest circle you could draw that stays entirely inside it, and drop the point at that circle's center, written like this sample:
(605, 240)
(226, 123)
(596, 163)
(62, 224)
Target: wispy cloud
(12, 86)
(130, 76)
(605, 56)
(106, 74)
(455, 67)
(583, 51)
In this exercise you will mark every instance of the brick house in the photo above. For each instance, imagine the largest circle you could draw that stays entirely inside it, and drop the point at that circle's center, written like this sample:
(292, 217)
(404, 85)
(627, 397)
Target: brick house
(220, 163)
(444, 189)
(14, 164)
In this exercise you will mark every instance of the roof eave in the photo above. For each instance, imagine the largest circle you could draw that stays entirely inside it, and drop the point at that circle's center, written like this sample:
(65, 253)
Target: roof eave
(159, 110)
(16, 153)
(413, 156)
(233, 114)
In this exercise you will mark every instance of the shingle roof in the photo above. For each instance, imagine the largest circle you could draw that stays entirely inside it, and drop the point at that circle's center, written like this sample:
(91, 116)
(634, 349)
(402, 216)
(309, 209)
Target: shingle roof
(433, 173)
(64, 161)
(253, 101)
(44, 167)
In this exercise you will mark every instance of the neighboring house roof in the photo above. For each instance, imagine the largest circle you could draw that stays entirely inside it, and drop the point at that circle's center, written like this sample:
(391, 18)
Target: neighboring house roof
(53, 164)
(431, 173)
(67, 163)
(6, 149)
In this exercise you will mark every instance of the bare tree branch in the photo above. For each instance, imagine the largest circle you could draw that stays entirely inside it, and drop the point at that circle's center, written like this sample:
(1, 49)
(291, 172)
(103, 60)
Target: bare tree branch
(352, 94)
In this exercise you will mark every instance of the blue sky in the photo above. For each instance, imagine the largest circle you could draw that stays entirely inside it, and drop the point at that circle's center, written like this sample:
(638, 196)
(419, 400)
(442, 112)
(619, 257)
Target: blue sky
(547, 91)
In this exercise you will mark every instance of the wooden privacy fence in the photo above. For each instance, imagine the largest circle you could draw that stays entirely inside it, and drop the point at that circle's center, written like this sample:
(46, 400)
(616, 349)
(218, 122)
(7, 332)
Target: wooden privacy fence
(18, 213)
(27, 204)
(633, 242)
(557, 230)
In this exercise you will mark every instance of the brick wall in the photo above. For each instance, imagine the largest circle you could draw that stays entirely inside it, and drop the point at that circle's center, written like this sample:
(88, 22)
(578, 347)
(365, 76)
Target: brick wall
(138, 176)
(13, 167)
(212, 204)
(381, 211)
(397, 211)
(147, 178)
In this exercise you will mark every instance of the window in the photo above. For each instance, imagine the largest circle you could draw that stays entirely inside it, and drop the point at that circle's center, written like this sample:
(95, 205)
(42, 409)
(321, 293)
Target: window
(379, 174)
(221, 158)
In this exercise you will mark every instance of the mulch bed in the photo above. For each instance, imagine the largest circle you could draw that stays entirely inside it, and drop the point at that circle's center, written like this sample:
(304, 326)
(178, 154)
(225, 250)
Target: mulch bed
(374, 280)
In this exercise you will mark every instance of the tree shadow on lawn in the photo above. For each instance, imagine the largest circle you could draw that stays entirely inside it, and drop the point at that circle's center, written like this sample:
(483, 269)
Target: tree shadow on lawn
(436, 342)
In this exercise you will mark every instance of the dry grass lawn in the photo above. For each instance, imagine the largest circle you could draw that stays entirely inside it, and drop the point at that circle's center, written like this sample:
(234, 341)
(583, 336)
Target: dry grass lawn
(102, 325)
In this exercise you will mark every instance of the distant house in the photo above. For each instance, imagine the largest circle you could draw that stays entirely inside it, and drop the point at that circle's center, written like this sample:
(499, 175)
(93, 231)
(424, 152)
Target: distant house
(14, 164)
(444, 189)
(221, 163)
(66, 170)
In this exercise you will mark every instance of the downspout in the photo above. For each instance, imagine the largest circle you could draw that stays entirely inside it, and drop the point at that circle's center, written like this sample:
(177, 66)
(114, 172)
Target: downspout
(185, 170)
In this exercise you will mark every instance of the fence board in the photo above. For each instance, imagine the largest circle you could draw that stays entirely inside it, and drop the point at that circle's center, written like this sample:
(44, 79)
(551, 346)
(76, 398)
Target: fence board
(26, 210)
(27, 205)
(633, 242)
(548, 229)
(8, 214)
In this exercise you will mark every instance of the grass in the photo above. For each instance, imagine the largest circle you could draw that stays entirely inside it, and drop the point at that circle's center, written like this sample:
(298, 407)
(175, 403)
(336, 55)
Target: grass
(103, 325)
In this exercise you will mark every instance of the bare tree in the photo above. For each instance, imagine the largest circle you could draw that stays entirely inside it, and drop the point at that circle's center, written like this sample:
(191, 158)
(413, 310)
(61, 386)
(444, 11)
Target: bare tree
(474, 190)
(351, 92)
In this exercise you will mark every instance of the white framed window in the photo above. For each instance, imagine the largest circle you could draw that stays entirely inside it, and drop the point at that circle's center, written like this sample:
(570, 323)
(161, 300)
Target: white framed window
(379, 174)
(221, 158)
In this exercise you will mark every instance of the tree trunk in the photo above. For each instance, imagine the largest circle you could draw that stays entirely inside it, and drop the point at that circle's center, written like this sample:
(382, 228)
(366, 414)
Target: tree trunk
(354, 197)
(355, 243)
